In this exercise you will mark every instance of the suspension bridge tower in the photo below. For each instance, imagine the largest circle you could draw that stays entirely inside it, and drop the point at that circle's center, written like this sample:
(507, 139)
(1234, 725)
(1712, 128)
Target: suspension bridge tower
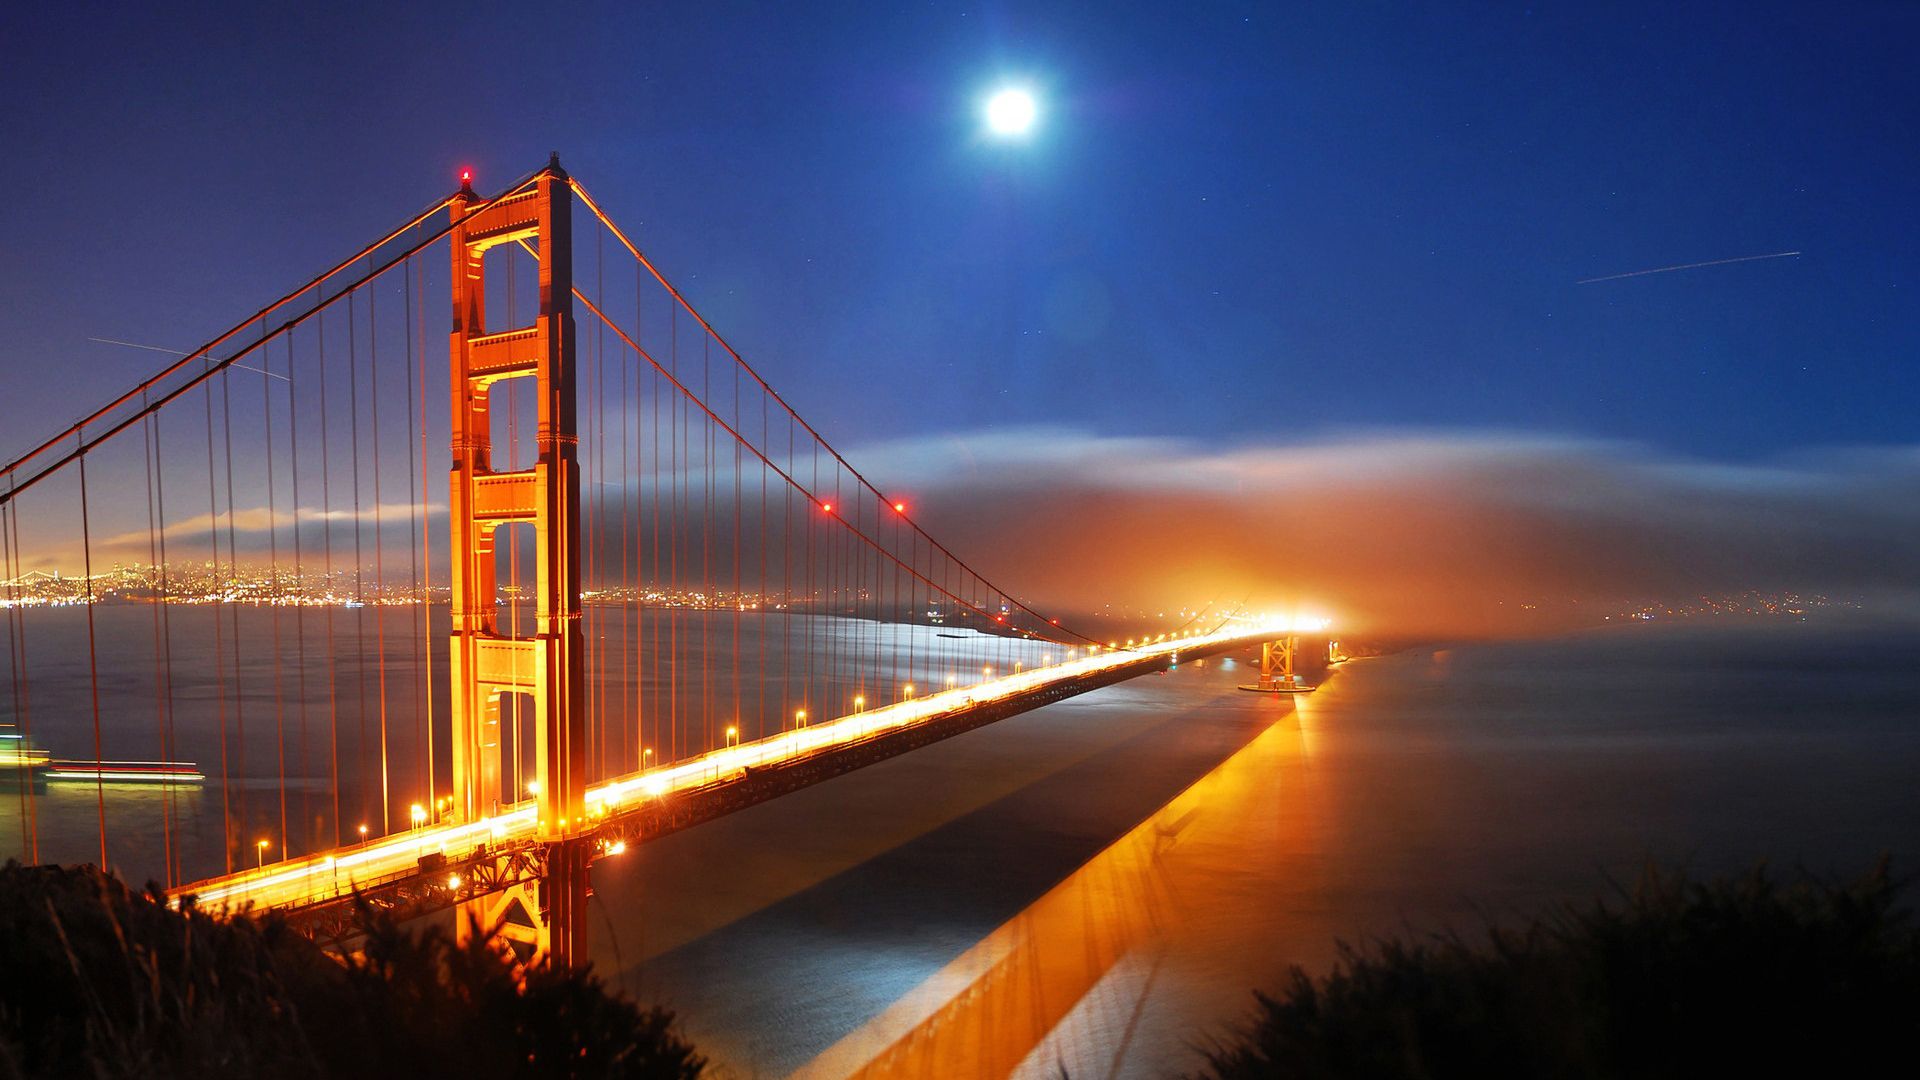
(544, 916)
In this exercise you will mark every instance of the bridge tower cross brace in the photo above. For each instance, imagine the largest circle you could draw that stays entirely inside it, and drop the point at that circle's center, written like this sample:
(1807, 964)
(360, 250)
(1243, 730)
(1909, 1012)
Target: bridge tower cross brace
(1276, 668)
(1276, 661)
(543, 672)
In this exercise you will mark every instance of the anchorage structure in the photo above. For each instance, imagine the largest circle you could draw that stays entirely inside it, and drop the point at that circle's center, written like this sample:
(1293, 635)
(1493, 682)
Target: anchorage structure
(540, 919)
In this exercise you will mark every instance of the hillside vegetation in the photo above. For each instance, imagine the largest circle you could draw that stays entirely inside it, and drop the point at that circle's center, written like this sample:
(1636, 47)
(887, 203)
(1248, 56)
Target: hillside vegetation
(1746, 976)
(98, 980)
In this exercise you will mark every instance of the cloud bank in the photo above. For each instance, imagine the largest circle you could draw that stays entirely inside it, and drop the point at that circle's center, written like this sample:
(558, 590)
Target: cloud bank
(1484, 532)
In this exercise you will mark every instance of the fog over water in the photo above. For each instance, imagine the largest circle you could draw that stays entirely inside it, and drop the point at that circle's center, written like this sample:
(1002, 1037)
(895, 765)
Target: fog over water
(1444, 532)
(1101, 882)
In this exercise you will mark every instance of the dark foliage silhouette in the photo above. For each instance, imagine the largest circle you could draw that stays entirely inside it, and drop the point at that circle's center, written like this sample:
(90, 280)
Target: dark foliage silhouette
(97, 980)
(1746, 976)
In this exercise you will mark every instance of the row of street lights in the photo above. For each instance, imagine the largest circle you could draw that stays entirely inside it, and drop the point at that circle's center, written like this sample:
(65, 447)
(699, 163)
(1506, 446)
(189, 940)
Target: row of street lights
(418, 812)
(732, 738)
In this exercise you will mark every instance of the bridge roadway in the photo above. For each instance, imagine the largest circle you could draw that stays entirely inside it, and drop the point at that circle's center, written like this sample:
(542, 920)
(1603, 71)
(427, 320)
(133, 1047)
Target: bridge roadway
(437, 866)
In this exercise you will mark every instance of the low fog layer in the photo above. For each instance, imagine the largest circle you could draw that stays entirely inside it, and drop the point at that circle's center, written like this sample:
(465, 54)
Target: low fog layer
(1410, 533)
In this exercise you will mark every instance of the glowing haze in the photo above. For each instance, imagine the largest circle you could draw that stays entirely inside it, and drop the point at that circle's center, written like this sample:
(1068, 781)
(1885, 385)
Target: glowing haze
(1411, 533)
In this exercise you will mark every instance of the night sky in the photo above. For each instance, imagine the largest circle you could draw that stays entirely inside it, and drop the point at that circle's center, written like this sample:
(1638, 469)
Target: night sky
(1234, 221)
(1234, 226)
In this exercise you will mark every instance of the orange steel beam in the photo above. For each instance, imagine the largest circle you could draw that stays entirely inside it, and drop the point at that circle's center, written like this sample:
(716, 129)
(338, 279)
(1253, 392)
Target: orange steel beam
(485, 664)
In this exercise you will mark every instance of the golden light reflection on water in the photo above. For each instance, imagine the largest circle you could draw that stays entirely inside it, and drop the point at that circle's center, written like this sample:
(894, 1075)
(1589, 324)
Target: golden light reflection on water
(1067, 981)
(790, 851)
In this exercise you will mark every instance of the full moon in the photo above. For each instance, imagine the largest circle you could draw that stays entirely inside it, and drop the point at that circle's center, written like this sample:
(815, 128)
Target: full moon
(1011, 112)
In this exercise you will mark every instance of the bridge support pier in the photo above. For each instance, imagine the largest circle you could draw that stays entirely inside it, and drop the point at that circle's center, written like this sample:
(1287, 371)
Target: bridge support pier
(1276, 668)
(537, 919)
(542, 673)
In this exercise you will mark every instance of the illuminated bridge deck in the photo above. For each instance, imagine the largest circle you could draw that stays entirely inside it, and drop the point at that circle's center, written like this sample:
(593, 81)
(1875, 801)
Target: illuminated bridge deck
(439, 865)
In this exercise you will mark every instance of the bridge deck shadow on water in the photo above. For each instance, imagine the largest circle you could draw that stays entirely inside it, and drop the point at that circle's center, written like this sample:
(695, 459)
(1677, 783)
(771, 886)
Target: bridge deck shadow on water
(963, 936)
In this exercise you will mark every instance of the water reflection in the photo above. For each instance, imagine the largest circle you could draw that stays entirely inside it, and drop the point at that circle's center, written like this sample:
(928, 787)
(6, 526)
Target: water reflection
(1066, 983)
(1101, 883)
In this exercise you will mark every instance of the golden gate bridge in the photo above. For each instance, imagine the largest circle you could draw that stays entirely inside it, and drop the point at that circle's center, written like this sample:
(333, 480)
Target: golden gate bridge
(654, 593)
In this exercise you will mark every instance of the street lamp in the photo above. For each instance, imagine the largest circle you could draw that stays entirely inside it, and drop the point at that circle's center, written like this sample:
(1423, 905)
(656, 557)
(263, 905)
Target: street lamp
(859, 702)
(260, 854)
(363, 834)
(799, 718)
(419, 815)
(646, 758)
(908, 689)
(733, 736)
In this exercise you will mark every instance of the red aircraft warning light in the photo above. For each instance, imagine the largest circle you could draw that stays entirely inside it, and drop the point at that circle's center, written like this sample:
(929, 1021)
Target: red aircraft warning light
(827, 506)
(900, 507)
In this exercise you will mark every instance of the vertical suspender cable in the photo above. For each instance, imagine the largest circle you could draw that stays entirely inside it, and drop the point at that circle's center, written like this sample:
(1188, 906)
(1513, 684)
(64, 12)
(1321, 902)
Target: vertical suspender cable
(673, 537)
(639, 556)
(326, 519)
(169, 743)
(738, 600)
(301, 587)
(231, 599)
(93, 665)
(706, 547)
(423, 598)
(594, 618)
(422, 729)
(359, 563)
(22, 688)
(628, 608)
(379, 539)
(273, 613)
(156, 600)
(219, 659)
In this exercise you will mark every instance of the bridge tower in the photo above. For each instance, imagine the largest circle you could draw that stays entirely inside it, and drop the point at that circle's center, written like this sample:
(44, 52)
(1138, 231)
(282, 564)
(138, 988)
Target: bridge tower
(1276, 668)
(545, 919)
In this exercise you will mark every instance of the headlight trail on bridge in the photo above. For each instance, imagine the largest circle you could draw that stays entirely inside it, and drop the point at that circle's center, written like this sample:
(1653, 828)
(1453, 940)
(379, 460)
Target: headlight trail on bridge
(312, 879)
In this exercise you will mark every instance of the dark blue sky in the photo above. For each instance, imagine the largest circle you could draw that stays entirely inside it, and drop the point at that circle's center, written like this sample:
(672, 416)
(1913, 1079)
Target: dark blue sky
(1237, 223)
